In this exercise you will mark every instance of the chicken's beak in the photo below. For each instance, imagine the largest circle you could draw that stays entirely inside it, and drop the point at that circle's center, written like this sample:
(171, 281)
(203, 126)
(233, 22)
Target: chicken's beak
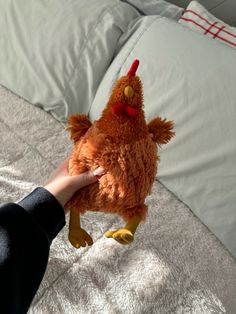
(129, 92)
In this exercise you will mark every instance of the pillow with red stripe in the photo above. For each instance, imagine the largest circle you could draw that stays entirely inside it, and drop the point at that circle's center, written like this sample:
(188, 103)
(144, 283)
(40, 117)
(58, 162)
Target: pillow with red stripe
(198, 18)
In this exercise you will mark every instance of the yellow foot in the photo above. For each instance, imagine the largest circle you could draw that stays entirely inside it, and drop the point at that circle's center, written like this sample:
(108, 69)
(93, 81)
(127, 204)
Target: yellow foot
(79, 237)
(123, 236)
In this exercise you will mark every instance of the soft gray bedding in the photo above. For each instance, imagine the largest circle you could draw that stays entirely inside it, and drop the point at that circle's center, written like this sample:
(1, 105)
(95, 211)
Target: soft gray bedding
(175, 265)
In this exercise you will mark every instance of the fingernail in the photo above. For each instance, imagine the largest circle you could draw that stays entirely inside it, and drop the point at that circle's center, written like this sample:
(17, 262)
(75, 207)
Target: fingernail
(99, 171)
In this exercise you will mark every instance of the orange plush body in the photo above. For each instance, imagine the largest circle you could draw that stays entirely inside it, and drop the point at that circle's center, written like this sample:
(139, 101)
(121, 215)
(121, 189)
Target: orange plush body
(126, 147)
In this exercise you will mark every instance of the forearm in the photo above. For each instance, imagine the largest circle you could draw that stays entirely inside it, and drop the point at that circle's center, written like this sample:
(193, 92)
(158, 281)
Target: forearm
(26, 232)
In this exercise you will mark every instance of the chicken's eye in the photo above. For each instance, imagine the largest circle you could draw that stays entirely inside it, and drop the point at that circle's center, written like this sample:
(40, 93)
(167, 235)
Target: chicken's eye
(128, 91)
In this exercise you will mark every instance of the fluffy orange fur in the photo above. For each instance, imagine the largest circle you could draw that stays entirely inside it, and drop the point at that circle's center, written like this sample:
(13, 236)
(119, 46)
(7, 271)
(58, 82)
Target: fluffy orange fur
(79, 124)
(125, 147)
(161, 130)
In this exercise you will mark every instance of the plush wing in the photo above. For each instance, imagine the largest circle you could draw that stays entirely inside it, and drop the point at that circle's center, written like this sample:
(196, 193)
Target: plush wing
(78, 126)
(161, 130)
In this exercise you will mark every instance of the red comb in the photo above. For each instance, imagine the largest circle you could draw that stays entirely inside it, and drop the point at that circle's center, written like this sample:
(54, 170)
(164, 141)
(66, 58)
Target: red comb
(133, 68)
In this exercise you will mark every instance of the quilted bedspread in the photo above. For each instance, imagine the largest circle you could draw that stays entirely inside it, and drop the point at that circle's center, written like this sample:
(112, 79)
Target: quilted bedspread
(175, 264)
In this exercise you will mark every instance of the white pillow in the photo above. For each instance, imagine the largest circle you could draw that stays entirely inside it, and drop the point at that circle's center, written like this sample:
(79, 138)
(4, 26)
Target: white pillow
(190, 79)
(199, 19)
(54, 53)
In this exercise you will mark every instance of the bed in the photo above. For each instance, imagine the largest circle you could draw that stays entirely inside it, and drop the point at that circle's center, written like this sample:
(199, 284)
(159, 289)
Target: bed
(183, 257)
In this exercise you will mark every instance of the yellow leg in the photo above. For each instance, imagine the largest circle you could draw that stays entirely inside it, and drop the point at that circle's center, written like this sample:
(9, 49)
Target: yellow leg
(77, 236)
(132, 224)
(125, 235)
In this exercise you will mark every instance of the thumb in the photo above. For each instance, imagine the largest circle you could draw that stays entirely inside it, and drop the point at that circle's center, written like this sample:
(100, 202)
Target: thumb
(87, 178)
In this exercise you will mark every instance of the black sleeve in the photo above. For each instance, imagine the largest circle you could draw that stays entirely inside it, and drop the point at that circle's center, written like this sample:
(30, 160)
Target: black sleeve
(26, 232)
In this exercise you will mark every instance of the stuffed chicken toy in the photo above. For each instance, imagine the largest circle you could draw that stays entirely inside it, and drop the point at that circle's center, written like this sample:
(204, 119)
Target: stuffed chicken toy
(125, 146)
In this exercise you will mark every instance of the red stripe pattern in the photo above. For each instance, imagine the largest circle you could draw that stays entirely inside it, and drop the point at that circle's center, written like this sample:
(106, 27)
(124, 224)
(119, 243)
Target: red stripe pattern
(198, 18)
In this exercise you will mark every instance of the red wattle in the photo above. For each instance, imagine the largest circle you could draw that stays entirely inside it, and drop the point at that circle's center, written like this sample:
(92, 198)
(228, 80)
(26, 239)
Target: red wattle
(121, 108)
(118, 109)
(131, 112)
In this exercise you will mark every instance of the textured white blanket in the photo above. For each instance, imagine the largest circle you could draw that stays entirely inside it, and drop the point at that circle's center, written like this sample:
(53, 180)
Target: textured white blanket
(175, 265)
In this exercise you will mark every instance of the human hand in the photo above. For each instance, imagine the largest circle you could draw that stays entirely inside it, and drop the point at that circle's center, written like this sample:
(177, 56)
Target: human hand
(63, 186)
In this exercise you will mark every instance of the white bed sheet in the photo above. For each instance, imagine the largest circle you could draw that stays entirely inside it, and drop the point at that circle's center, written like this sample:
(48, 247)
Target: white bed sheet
(175, 265)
